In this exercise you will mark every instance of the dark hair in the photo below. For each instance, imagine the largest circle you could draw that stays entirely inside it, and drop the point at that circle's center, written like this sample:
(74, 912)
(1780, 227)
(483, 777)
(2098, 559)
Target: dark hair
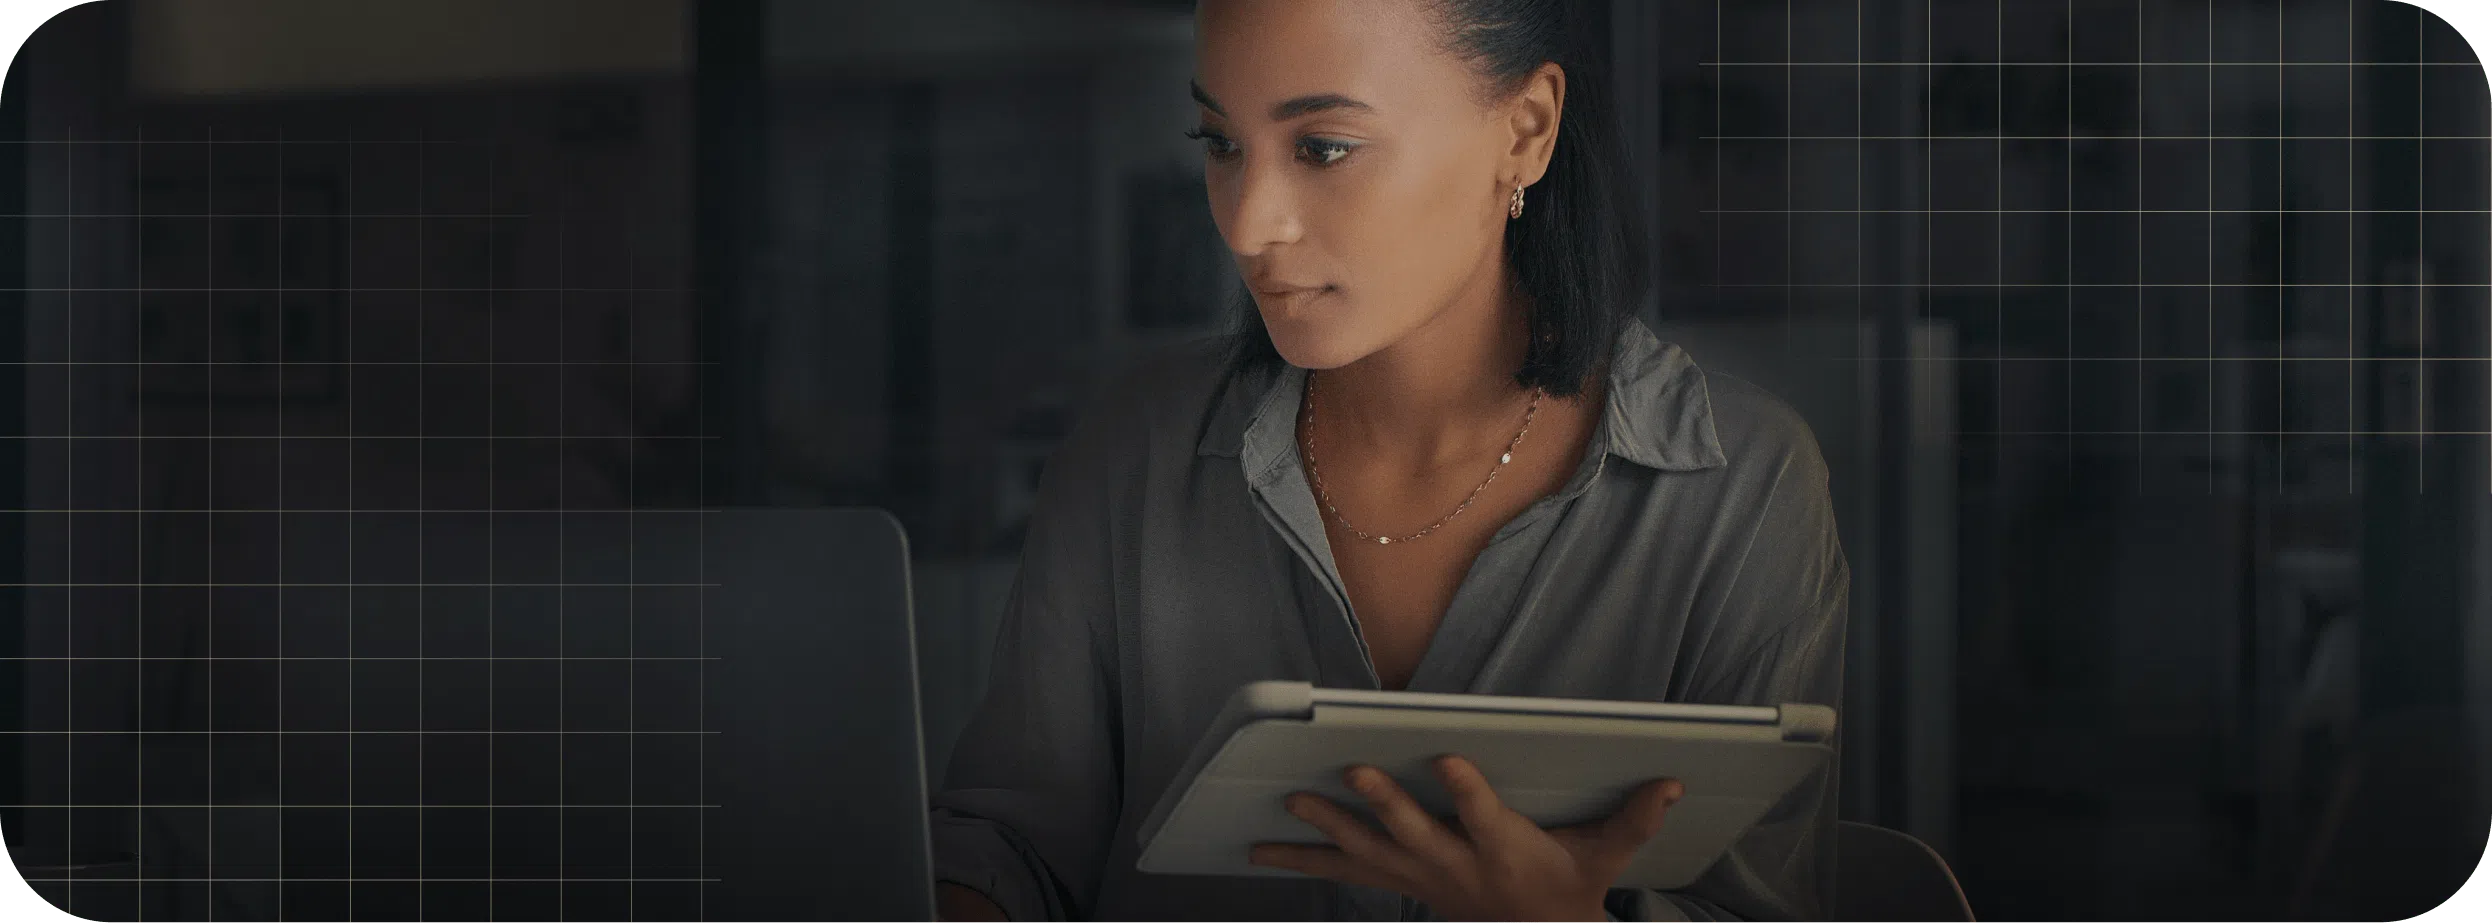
(1578, 250)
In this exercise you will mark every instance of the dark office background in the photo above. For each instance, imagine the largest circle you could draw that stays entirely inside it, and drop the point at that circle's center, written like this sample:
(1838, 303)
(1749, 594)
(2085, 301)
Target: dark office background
(2147, 340)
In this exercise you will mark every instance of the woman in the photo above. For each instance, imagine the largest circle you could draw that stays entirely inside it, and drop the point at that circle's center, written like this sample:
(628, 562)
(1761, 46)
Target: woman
(1443, 457)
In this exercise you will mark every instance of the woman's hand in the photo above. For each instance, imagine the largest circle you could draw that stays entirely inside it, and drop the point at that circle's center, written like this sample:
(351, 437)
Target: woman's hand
(1494, 864)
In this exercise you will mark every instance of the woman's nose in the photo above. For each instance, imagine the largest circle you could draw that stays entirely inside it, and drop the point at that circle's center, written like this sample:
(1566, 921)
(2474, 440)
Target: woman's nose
(1264, 211)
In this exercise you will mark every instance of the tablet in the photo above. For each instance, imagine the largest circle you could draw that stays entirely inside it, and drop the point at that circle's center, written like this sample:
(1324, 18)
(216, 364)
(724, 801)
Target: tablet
(1558, 761)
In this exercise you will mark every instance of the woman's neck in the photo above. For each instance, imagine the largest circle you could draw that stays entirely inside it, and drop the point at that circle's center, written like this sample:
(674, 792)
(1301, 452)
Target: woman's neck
(1431, 398)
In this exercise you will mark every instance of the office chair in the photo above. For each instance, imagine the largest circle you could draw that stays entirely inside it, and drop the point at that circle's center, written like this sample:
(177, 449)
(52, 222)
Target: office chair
(1883, 874)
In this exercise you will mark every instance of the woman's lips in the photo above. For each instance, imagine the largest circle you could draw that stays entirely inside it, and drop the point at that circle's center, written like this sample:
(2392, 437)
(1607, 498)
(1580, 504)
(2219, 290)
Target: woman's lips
(1292, 302)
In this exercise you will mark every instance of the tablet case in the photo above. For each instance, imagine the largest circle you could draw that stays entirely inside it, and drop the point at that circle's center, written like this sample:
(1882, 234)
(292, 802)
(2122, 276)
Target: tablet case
(1558, 761)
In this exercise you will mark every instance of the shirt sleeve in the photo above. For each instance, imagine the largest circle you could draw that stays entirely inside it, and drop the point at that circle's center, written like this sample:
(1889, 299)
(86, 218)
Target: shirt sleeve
(1781, 626)
(1030, 799)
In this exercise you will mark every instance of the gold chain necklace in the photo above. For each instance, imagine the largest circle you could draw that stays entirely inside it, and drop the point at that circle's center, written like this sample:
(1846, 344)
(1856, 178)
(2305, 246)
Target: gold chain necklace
(1316, 474)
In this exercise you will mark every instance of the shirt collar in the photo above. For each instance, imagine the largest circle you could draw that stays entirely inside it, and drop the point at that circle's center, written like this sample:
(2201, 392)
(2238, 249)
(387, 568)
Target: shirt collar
(1659, 413)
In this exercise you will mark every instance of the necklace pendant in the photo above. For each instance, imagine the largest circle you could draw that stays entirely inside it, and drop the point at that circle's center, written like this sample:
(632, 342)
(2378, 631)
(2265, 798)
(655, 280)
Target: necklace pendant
(1384, 539)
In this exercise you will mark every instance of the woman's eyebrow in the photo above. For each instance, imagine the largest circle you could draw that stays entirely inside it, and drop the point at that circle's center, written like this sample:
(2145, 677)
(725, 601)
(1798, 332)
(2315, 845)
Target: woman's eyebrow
(1288, 109)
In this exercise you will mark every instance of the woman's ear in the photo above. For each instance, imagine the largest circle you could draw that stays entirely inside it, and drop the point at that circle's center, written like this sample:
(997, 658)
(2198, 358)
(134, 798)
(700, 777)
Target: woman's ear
(1532, 117)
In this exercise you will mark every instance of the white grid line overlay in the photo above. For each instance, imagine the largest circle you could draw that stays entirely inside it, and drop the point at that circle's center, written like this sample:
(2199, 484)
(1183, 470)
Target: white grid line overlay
(2422, 299)
(2422, 285)
(210, 614)
(562, 536)
(1834, 64)
(274, 806)
(701, 688)
(631, 550)
(401, 289)
(378, 732)
(138, 835)
(434, 805)
(2103, 137)
(204, 633)
(421, 204)
(492, 820)
(100, 658)
(350, 545)
(281, 532)
(152, 879)
(69, 533)
(2216, 294)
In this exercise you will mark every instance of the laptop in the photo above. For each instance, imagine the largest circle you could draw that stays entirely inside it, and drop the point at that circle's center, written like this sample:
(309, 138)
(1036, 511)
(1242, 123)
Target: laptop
(703, 714)
(818, 764)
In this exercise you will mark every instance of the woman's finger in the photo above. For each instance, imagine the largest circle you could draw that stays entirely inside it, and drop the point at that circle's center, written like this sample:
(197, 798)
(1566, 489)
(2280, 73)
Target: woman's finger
(1411, 825)
(1642, 816)
(1352, 835)
(1483, 812)
(1613, 841)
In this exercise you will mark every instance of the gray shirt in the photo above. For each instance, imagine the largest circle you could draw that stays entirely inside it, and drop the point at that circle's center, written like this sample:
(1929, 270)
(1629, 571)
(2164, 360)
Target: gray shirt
(1176, 553)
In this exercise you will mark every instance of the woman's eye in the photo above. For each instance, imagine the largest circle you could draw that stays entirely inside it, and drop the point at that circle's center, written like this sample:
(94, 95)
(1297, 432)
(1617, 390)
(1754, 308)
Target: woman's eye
(1213, 143)
(1326, 153)
(1317, 151)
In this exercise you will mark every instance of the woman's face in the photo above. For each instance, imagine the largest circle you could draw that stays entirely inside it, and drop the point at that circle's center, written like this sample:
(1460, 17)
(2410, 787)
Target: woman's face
(1361, 186)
